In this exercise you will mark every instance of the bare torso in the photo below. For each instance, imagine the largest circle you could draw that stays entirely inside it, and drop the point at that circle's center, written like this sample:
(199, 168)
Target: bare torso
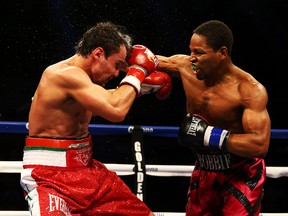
(237, 103)
(53, 112)
(220, 104)
(71, 91)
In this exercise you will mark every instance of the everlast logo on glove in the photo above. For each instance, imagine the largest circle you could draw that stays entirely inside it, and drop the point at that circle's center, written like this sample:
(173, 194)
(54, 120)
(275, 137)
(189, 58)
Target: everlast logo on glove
(193, 127)
(195, 130)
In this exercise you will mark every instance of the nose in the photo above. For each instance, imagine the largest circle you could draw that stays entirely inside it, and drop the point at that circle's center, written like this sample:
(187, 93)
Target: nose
(192, 57)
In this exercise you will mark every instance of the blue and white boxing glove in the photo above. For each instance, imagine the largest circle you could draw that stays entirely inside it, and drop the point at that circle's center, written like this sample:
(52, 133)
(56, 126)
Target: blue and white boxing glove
(195, 130)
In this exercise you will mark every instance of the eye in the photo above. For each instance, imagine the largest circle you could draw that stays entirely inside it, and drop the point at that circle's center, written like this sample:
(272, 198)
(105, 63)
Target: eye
(198, 52)
(118, 65)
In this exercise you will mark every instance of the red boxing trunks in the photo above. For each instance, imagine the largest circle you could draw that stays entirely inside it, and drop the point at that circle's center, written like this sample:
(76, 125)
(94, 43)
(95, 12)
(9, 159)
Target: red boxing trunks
(235, 191)
(61, 178)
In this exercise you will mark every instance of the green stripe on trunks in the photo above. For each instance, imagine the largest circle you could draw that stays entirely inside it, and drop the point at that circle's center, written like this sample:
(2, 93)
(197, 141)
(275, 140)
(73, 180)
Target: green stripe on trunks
(44, 148)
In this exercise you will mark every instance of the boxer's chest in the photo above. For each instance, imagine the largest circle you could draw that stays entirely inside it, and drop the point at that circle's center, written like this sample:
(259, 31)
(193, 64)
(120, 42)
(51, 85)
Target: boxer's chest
(218, 105)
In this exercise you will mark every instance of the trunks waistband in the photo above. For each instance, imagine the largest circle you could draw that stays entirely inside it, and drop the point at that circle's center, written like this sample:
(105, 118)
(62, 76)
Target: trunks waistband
(57, 143)
(57, 152)
(219, 162)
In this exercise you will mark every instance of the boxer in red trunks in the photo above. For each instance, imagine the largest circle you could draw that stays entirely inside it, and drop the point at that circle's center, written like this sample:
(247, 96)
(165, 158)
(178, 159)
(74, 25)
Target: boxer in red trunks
(59, 176)
(227, 125)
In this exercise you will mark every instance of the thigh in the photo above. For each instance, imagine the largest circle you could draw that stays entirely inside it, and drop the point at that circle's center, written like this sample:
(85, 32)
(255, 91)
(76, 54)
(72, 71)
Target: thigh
(47, 202)
(244, 193)
(117, 199)
(204, 196)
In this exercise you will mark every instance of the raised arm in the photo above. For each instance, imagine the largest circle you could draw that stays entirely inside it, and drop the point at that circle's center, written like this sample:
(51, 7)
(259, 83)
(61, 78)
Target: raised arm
(114, 105)
(174, 65)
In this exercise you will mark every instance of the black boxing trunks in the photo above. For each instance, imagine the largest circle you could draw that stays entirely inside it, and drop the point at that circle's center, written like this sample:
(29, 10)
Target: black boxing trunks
(237, 189)
(61, 178)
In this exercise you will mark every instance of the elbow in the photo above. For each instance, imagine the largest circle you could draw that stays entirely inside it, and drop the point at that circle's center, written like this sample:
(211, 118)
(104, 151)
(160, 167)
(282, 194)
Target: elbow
(256, 153)
(117, 119)
(118, 116)
(262, 155)
(262, 150)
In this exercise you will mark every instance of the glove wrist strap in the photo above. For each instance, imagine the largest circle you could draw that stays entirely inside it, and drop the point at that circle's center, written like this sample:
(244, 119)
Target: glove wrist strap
(133, 81)
(215, 137)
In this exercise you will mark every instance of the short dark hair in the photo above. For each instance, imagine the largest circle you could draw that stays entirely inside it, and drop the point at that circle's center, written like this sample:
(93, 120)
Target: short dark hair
(217, 34)
(107, 35)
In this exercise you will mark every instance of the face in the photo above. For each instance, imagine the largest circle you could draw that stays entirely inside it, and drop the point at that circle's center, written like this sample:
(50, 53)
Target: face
(203, 58)
(109, 68)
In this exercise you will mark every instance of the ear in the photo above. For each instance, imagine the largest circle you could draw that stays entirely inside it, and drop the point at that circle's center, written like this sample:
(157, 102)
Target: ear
(223, 52)
(98, 52)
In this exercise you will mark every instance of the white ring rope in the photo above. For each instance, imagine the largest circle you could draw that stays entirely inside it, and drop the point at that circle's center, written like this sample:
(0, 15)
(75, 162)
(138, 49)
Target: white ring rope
(128, 169)
(153, 170)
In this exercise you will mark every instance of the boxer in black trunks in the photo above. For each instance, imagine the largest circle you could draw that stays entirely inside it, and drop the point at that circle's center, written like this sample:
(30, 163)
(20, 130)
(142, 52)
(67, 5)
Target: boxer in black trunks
(227, 125)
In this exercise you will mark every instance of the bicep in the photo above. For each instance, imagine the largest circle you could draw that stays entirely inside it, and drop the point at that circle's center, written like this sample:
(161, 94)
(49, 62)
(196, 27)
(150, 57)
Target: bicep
(92, 97)
(256, 120)
(255, 116)
(85, 93)
(254, 142)
(255, 138)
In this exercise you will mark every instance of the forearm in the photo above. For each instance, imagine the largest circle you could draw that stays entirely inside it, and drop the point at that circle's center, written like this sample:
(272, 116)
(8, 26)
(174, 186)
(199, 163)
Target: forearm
(119, 103)
(248, 145)
(167, 65)
(174, 65)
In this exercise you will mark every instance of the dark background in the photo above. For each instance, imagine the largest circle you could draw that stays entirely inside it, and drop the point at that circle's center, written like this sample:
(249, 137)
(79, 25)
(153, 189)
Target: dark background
(36, 33)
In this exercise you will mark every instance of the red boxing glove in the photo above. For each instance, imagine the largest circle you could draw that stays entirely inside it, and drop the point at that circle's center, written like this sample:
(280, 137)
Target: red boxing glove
(158, 82)
(134, 77)
(143, 62)
(143, 57)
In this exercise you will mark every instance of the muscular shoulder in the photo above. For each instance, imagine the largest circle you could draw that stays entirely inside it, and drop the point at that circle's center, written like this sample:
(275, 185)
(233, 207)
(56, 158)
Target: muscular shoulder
(64, 75)
(252, 91)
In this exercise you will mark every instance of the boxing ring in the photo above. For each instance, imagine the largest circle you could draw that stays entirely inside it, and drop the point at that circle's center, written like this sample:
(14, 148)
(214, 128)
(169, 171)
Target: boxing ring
(139, 168)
